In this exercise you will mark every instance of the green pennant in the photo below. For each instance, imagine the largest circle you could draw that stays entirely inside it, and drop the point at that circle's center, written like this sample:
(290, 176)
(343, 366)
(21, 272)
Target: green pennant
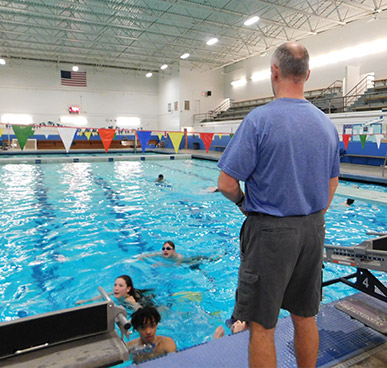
(231, 135)
(22, 133)
(363, 138)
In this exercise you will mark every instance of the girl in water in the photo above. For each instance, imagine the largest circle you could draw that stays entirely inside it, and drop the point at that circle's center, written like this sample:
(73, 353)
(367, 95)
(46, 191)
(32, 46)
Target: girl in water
(124, 291)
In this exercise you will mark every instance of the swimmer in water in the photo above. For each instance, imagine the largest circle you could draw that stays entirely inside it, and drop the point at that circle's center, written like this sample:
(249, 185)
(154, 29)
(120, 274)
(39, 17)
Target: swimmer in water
(124, 291)
(148, 345)
(167, 251)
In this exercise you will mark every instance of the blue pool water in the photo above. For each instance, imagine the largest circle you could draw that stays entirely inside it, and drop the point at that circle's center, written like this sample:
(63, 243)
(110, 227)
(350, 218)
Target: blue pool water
(68, 228)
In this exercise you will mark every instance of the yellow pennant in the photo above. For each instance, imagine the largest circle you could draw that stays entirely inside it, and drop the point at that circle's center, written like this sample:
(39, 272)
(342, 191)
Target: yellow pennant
(160, 135)
(176, 139)
(88, 134)
(1, 132)
(220, 136)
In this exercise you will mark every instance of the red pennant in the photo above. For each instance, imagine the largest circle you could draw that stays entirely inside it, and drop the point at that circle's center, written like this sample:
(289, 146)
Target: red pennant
(207, 139)
(106, 137)
(346, 140)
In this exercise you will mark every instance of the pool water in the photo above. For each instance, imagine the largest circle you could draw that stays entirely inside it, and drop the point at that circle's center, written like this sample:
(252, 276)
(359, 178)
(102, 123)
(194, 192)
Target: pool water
(68, 228)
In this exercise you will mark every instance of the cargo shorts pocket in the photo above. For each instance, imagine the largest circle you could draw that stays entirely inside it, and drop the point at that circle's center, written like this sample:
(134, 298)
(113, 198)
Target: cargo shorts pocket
(247, 286)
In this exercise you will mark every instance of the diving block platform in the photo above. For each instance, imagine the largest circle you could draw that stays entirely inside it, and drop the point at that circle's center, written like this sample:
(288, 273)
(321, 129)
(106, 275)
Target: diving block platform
(83, 337)
(362, 194)
(341, 338)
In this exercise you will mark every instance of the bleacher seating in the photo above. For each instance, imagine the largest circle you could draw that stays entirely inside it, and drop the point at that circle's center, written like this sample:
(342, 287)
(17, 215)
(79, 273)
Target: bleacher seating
(373, 99)
(329, 100)
(320, 97)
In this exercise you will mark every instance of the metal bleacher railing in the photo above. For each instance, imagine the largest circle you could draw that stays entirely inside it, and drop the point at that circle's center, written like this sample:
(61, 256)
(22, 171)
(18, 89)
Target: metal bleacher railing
(368, 94)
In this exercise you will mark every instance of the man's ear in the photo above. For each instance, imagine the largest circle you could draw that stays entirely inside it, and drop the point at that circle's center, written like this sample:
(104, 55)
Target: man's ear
(308, 75)
(274, 71)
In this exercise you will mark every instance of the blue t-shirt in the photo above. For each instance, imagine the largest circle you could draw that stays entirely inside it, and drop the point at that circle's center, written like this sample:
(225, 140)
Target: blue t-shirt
(285, 152)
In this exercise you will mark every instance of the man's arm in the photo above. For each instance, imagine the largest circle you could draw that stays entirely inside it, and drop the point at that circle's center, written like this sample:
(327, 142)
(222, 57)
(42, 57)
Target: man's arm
(333, 184)
(229, 187)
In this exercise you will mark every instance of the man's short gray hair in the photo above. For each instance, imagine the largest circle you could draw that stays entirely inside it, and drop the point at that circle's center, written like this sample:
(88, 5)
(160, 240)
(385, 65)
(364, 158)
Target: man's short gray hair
(291, 62)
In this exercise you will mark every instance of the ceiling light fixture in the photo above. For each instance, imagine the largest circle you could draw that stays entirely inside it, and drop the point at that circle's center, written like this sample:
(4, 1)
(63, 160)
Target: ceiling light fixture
(239, 82)
(148, 75)
(163, 67)
(184, 56)
(75, 68)
(251, 21)
(2, 62)
(212, 41)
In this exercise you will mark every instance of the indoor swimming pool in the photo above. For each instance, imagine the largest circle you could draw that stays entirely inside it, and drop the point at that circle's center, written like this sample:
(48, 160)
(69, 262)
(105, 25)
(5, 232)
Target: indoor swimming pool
(68, 228)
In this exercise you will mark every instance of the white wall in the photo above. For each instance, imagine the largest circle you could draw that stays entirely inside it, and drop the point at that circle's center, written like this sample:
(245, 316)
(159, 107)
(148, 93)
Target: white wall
(169, 92)
(35, 89)
(336, 39)
(192, 84)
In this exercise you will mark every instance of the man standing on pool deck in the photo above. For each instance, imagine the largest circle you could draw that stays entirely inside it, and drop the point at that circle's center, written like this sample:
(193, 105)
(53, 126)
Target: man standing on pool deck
(287, 153)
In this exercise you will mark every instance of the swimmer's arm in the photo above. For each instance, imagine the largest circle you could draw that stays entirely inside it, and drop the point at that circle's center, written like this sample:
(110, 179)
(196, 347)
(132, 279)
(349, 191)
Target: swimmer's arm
(142, 256)
(133, 304)
(179, 258)
(169, 345)
(333, 184)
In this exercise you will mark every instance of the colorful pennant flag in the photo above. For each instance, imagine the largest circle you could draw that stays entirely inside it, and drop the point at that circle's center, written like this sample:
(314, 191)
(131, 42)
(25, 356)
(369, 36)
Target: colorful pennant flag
(231, 135)
(378, 138)
(106, 137)
(160, 135)
(220, 136)
(363, 138)
(346, 140)
(176, 139)
(88, 135)
(207, 139)
(144, 137)
(1, 132)
(22, 133)
(67, 136)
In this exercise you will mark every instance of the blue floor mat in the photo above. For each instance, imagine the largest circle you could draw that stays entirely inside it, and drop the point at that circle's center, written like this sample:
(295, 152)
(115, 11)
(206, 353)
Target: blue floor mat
(341, 338)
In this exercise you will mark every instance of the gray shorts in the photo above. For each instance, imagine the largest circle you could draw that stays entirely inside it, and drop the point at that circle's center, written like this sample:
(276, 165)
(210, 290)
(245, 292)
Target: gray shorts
(281, 265)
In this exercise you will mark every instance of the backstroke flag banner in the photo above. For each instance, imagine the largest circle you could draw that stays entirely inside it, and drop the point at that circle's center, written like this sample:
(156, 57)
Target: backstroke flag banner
(144, 137)
(22, 133)
(346, 140)
(207, 139)
(106, 137)
(88, 134)
(67, 136)
(363, 138)
(1, 132)
(378, 138)
(176, 139)
(73, 79)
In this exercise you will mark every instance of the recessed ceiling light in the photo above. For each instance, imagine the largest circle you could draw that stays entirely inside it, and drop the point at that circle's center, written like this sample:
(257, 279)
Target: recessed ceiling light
(212, 41)
(75, 68)
(184, 56)
(251, 21)
(148, 75)
(163, 67)
(2, 62)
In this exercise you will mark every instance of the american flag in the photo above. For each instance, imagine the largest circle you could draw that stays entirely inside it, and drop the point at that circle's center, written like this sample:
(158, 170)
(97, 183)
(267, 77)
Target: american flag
(77, 79)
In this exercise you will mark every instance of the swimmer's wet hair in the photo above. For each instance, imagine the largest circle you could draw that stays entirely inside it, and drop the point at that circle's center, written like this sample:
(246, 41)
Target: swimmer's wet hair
(171, 243)
(350, 201)
(143, 315)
